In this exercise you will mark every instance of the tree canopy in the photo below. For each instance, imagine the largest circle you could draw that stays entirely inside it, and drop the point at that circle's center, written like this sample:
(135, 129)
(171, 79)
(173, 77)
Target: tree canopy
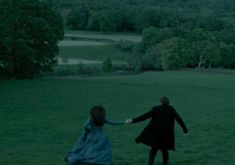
(136, 15)
(29, 32)
(206, 27)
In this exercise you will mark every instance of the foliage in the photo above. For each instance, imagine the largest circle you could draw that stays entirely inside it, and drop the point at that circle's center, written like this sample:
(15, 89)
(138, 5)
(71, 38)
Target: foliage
(126, 45)
(174, 53)
(152, 59)
(76, 70)
(149, 17)
(145, 61)
(207, 48)
(205, 54)
(140, 14)
(29, 32)
(78, 18)
(227, 56)
(107, 65)
(81, 68)
(209, 26)
(153, 35)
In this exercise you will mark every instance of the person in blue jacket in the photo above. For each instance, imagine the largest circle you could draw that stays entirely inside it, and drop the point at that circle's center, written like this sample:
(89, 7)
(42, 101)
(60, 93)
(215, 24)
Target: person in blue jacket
(93, 147)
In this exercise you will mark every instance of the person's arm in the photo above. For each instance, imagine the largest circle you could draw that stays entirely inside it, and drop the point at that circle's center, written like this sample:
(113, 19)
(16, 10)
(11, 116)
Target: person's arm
(143, 117)
(87, 126)
(181, 122)
(111, 122)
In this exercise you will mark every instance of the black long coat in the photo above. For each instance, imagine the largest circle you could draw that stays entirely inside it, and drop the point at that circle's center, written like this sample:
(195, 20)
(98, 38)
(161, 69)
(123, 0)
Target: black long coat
(160, 131)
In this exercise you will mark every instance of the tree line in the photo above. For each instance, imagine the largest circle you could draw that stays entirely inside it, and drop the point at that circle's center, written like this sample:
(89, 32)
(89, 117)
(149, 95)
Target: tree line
(136, 15)
(176, 33)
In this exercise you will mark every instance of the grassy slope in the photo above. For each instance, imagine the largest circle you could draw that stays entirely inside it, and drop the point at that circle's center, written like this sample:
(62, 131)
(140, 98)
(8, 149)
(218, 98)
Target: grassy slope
(40, 119)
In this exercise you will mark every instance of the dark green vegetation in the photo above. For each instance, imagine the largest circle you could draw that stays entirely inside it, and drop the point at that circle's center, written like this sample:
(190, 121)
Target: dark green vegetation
(176, 33)
(41, 119)
(136, 15)
(87, 56)
(29, 32)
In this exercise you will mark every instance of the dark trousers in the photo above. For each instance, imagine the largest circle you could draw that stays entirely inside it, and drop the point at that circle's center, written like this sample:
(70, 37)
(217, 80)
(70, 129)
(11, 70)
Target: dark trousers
(153, 152)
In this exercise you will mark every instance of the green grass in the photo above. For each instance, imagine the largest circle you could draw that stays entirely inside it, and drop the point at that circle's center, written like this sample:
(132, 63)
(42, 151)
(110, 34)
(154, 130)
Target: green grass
(110, 36)
(96, 50)
(40, 119)
(100, 52)
(81, 43)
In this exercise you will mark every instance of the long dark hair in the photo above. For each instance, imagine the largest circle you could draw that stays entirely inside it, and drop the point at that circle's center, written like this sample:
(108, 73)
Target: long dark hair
(97, 115)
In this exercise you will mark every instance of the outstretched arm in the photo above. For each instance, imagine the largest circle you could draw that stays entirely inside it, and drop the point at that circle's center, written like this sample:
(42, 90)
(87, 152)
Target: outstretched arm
(87, 126)
(181, 122)
(111, 122)
(143, 117)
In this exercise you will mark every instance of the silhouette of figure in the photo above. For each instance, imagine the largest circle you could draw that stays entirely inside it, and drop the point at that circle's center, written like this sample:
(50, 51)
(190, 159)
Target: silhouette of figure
(93, 147)
(159, 133)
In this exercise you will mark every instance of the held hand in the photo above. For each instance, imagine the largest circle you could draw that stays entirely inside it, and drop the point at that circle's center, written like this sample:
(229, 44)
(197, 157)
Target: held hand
(186, 133)
(128, 121)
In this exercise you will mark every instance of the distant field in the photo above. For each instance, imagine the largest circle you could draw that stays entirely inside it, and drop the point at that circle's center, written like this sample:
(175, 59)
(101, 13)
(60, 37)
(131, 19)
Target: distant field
(94, 52)
(81, 43)
(90, 49)
(110, 36)
(40, 119)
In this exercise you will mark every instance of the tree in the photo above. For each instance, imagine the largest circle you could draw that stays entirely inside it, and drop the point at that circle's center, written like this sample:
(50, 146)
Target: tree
(78, 18)
(94, 21)
(227, 57)
(149, 17)
(202, 22)
(211, 23)
(153, 36)
(50, 3)
(151, 60)
(174, 53)
(100, 21)
(29, 32)
(206, 54)
(107, 65)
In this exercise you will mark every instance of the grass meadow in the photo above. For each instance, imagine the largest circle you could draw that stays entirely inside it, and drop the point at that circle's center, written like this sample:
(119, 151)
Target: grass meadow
(85, 57)
(94, 52)
(41, 119)
(116, 37)
(90, 46)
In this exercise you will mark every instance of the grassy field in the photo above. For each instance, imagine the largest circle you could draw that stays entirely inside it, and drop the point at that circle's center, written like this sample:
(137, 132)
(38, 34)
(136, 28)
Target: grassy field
(94, 52)
(40, 119)
(81, 43)
(116, 37)
(90, 49)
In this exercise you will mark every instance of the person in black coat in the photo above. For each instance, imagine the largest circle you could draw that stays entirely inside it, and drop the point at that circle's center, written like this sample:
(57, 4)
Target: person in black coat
(159, 133)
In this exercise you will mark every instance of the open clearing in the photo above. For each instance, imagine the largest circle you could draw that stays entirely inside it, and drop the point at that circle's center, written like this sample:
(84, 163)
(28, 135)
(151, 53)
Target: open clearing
(40, 119)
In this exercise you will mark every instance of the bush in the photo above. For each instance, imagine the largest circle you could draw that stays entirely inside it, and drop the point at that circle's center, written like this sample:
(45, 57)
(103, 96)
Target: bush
(107, 65)
(174, 53)
(126, 45)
